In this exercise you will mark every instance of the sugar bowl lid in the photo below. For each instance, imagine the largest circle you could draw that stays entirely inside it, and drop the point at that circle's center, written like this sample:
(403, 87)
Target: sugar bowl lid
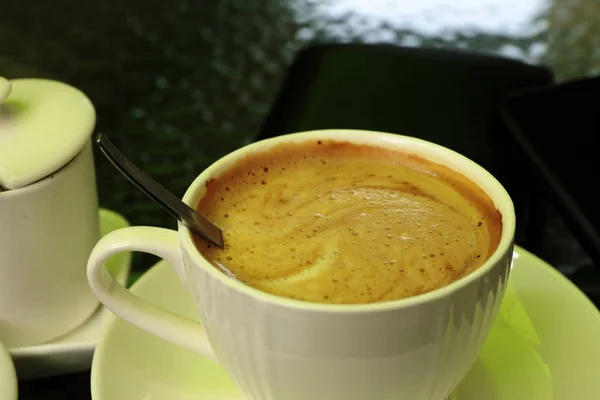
(43, 125)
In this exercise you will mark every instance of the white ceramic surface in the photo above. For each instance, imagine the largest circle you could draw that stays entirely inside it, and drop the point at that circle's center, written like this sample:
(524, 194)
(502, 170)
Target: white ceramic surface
(73, 351)
(47, 231)
(8, 378)
(278, 348)
(543, 346)
(44, 126)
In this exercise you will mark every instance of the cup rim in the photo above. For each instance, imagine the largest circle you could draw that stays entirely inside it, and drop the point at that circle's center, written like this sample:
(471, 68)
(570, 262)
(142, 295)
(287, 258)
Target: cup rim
(423, 148)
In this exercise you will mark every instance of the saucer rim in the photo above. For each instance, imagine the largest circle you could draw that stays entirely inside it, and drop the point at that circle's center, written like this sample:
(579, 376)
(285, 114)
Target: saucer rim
(520, 252)
(52, 347)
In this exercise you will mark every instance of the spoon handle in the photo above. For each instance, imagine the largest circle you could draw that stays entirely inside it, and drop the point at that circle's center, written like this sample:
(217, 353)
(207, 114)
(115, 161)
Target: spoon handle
(177, 208)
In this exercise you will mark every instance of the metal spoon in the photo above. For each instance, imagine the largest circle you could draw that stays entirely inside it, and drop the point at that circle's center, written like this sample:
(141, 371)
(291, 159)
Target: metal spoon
(167, 200)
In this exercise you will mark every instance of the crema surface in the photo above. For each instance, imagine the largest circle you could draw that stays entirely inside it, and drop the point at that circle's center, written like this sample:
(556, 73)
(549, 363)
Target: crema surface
(336, 222)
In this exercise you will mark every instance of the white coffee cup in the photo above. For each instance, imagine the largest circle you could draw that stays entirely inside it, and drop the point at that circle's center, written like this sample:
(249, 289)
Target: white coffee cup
(276, 348)
(47, 231)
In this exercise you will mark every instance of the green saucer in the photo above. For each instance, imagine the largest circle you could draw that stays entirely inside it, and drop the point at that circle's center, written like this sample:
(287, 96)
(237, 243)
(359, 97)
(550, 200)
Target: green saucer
(545, 345)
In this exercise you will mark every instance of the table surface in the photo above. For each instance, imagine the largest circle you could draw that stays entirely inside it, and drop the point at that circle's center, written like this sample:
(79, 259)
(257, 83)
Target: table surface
(178, 84)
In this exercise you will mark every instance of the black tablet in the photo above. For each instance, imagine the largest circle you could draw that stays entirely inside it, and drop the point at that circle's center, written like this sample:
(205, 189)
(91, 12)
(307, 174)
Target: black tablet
(558, 126)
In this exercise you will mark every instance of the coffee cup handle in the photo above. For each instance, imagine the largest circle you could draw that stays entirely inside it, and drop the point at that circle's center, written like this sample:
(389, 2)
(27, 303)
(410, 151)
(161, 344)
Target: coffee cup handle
(149, 317)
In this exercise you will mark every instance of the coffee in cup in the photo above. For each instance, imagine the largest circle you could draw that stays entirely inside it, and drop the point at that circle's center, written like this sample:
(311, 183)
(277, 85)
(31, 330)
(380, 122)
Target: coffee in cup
(336, 222)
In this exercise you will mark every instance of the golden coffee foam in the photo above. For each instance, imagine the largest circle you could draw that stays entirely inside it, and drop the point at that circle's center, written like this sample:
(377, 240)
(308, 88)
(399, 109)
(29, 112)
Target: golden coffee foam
(343, 223)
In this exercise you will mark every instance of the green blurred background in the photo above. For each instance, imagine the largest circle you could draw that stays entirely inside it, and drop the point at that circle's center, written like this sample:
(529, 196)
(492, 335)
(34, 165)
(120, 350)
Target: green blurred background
(179, 83)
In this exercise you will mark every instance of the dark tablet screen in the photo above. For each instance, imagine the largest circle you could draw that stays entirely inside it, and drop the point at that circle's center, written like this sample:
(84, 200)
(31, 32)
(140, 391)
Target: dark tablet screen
(559, 128)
